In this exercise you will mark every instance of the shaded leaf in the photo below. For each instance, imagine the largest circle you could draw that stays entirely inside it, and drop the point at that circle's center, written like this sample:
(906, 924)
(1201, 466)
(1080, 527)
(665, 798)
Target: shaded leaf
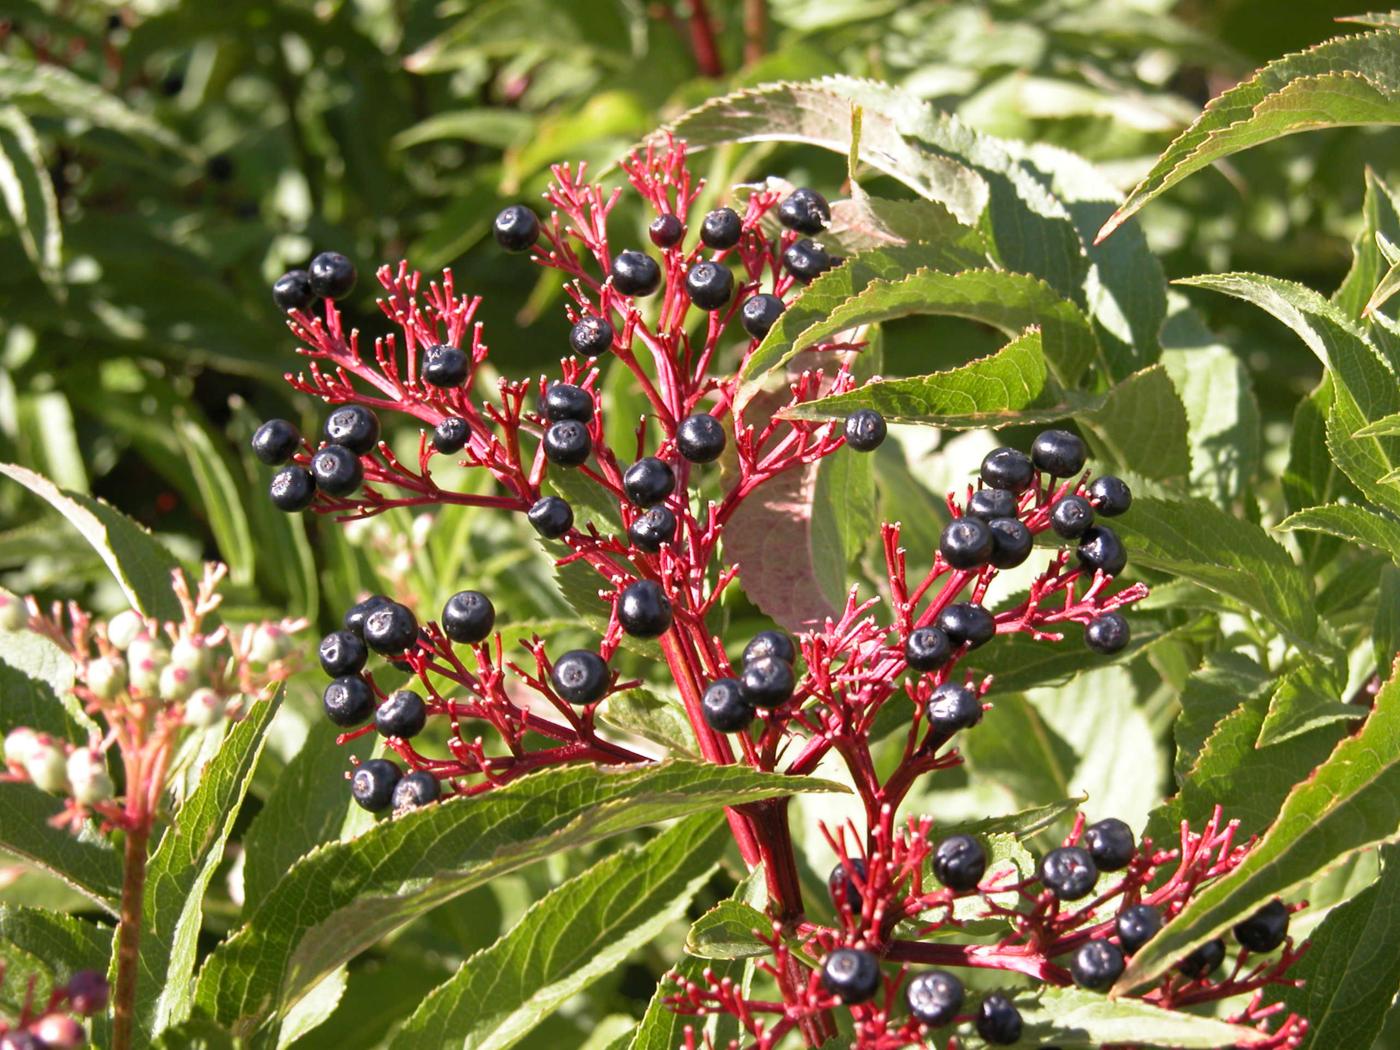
(85, 862)
(1355, 524)
(1072, 1017)
(49, 947)
(28, 194)
(651, 717)
(1304, 699)
(729, 930)
(1142, 413)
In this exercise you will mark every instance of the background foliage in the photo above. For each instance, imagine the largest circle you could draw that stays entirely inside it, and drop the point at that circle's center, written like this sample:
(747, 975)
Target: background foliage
(161, 163)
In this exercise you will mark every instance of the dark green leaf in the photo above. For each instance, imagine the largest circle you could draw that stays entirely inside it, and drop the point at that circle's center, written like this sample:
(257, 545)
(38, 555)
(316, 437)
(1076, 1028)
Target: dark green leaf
(658, 719)
(1143, 412)
(86, 862)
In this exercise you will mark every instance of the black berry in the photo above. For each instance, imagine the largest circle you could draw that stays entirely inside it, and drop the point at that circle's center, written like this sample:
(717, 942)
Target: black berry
(1096, 965)
(276, 441)
(966, 543)
(1069, 873)
(967, 622)
(1007, 468)
(567, 443)
(760, 313)
(648, 481)
(989, 504)
(468, 617)
(841, 886)
(652, 530)
(767, 681)
(709, 285)
(1266, 929)
(591, 336)
(390, 628)
(566, 401)
(516, 228)
(445, 366)
(292, 291)
(952, 708)
(354, 619)
(332, 275)
(88, 992)
(1071, 517)
(1110, 496)
(1107, 633)
(551, 517)
(721, 229)
(342, 653)
(666, 231)
(934, 997)
(580, 676)
(451, 435)
(1204, 961)
(700, 438)
(806, 260)
(1137, 925)
(354, 426)
(805, 211)
(1059, 453)
(372, 784)
(1011, 542)
(927, 649)
(770, 645)
(635, 273)
(959, 862)
(851, 975)
(865, 430)
(724, 706)
(644, 610)
(292, 489)
(1110, 842)
(337, 470)
(998, 1020)
(1101, 550)
(348, 700)
(416, 789)
(402, 715)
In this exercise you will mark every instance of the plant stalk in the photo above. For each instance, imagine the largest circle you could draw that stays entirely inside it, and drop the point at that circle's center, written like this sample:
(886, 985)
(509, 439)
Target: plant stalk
(129, 935)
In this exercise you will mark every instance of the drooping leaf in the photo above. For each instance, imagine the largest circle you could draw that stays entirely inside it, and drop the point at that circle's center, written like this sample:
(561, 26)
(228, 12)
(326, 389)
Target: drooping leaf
(1350, 803)
(1355, 524)
(576, 934)
(28, 194)
(138, 561)
(346, 895)
(1303, 699)
(1142, 412)
(1071, 1017)
(221, 500)
(1345, 81)
(85, 862)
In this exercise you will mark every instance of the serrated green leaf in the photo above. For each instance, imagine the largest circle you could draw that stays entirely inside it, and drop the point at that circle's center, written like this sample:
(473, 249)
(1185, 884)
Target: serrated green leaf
(576, 934)
(1313, 477)
(1345, 81)
(1009, 387)
(1304, 699)
(221, 501)
(1350, 803)
(36, 681)
(1387, 427)
(1356, 524)
(1071, 1017)
(49, 947)
(658, 719)
(343, 897)
(138, 561)
(181, 868)
(1017, 825)
(85, 862)
(661, 1028)
(729, 930)
(1142, 412)
(1222, 683)
(28, 194)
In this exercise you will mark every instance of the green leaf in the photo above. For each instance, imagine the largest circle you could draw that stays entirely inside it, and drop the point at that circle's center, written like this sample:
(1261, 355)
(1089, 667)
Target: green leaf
(658, 719)
(1356, 524)
(578, 933)
(729, 930)
(138, 561)
(181, 868)
(1194, 538)
(49, 947)
(1142, 412)
(661, 1027)
(1385, 636)
(1018, 825)
(1387, 427)
(85, 862)
(501, 128)
(1350, 803)
(1348, 978)
(1071, 1017)
(29, 196)
(345, 896)
(1011, 386)
(1222, 683)
(1304, 699)
(1346, 81)
(36, 681)
(221, 500)
(1011, 302)
(1313, 477)
(1021, 751)
(1380, 221)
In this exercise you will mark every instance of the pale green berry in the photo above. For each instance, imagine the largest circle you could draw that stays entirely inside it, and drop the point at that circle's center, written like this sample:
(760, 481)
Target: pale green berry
(106, 677)
(47, 766)
(204, 708)
(87, 773)
(19, 743)
(146, 658)
(125, 628)
(192, 654)
(270, 643)
(176, 683)
(13, 615)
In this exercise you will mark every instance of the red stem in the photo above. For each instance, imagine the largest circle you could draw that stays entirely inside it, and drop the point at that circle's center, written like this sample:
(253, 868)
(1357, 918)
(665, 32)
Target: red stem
(702, 40)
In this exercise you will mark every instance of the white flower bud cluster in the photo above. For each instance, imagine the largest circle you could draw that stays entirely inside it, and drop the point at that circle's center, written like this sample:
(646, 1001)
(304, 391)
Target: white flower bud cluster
(58, 767)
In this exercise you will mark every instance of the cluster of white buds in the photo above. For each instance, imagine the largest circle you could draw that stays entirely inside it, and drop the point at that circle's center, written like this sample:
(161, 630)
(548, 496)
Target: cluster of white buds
(57, 766)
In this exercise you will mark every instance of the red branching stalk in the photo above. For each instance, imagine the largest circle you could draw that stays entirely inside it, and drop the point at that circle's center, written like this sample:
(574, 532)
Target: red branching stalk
(855, 663)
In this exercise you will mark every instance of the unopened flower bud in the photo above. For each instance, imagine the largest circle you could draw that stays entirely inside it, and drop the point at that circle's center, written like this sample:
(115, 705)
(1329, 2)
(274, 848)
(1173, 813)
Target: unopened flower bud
(204, 708)
(270, 643)
(13, 615)
(176, 683)
(125, 628)
(58, 1031)
(106, 677)
(87, 773)
(47, 766)
(192, 654)
(146, 658)
(19, 744)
